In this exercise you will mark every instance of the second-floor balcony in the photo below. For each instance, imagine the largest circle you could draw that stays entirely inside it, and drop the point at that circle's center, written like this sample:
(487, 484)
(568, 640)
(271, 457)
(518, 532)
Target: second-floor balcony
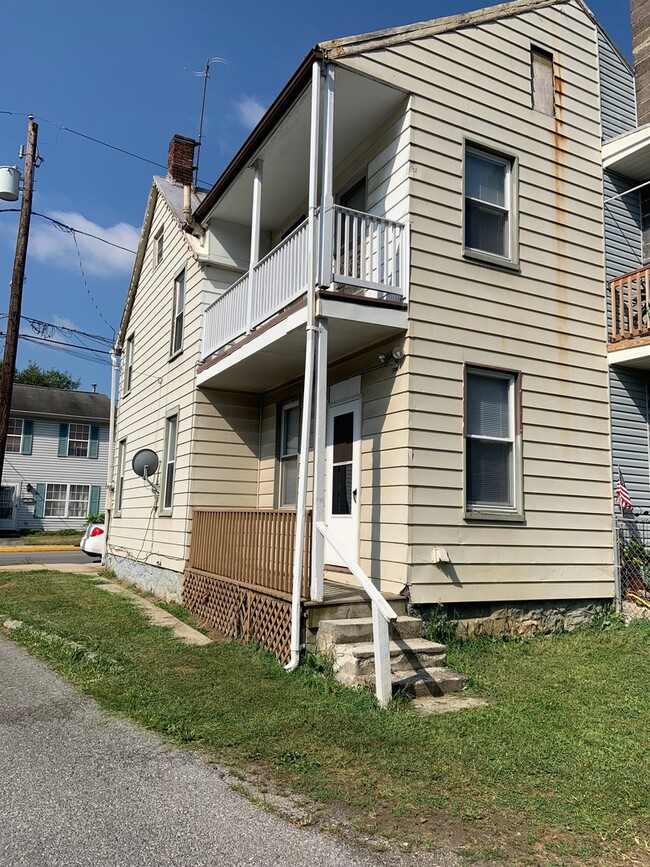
(629, 304)
(367, 271)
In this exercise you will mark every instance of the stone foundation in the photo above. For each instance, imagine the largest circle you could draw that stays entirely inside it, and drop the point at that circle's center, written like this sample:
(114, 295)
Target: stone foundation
(517, 620)
(164, 583)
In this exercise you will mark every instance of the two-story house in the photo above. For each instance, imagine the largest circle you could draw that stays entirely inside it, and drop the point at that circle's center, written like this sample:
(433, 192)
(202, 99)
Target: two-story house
(376, 344)
(56, 459)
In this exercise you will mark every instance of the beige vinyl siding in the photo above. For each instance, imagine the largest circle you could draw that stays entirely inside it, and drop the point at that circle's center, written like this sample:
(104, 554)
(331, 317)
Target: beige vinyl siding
(158, 386)
(546, 320)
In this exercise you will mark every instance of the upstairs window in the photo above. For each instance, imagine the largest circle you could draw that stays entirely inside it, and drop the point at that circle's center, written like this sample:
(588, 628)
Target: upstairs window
(158, 247)
(489, 212)
(177, 318)
(542, 81)
(492, 458)
(128, 363)
(14, 436)
(288, 454)
(78, 440)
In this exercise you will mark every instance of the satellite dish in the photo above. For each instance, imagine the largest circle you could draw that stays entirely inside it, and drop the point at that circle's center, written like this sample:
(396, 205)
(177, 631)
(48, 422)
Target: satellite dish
(145, 463)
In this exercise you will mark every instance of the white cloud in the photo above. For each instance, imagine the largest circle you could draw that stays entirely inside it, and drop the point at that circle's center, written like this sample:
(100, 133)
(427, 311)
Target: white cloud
(55, 247)
(249, 110)
(62, 322)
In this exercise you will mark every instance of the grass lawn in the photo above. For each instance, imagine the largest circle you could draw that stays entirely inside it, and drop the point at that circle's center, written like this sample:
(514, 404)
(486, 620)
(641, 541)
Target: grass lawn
(46, 537)
(555, 770)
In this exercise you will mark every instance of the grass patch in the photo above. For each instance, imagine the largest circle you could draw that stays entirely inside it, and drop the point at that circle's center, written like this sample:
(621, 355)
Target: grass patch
(49, 537)
(555, 769)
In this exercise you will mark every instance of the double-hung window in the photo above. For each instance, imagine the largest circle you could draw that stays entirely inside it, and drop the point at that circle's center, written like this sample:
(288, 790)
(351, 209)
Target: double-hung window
(288, 454)
(179, 310)
(159, 247)
(490, 216)
(492, 444)
(169, 462)
(14, 436)
(66, 501)
(128, 363)
(78, 440)
(119, 487)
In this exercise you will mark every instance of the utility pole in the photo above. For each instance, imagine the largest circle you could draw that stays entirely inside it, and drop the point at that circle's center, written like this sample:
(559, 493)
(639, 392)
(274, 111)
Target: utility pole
(16, 296)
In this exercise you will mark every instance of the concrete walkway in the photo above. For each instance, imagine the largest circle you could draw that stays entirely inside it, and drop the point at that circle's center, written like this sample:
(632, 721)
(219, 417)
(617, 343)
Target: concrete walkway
(80, 790)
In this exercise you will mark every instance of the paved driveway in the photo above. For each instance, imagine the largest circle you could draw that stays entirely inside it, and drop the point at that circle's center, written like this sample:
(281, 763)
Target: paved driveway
(77, 788)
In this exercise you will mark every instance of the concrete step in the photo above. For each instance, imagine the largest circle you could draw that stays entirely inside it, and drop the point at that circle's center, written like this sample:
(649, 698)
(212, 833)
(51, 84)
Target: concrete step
(316, 612)
(430, 681)
(354, 661)
(359, 629)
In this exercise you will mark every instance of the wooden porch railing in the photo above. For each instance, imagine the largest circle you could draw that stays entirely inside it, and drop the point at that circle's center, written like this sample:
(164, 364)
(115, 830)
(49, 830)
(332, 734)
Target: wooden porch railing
(253, 547)
(630, 305)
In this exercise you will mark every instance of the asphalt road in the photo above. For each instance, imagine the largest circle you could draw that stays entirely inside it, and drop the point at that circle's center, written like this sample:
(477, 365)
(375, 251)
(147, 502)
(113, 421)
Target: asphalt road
(77, 557)
(78, 789)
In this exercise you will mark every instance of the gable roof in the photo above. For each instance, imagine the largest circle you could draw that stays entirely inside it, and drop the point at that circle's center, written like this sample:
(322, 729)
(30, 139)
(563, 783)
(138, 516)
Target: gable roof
(36, 400)
(171, 193)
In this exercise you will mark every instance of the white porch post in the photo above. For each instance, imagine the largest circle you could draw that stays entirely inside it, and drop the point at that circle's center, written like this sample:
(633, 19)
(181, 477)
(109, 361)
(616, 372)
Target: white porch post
(258, 166)
(327, 213)
(303, 462)
(320, 482)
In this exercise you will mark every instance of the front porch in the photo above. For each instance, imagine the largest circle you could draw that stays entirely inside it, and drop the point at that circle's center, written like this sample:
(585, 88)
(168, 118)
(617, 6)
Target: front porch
(629, 301)
(238, 579)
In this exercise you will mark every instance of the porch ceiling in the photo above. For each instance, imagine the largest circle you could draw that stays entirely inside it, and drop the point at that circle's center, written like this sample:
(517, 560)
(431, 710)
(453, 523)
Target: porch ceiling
(629, 154)
(277, 356)
(362, 105)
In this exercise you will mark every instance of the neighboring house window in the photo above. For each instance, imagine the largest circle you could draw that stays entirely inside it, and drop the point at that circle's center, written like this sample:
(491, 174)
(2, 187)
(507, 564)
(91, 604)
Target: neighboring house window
(490, 208)
(288, 454)
(492, 448)
(159, 247)
(119, 488)
(542, 81)
(67, 501)
(169, 461)
(15, 436)
(128, 363)
(78, 440)
(179, 307)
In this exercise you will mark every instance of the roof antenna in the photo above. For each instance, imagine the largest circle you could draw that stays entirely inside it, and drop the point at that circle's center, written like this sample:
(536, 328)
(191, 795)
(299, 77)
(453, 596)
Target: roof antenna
(205, 75)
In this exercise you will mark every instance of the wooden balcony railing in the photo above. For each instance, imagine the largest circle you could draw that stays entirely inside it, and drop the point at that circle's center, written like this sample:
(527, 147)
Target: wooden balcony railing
(630, 305)
(252, 547)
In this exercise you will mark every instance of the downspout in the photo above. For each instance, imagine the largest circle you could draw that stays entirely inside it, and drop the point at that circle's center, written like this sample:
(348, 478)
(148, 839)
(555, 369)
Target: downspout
(301, 504)
(110, 487)
(197, 228)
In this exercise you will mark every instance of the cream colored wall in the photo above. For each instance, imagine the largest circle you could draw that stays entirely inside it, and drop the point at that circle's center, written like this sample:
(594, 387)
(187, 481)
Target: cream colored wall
(546, 320)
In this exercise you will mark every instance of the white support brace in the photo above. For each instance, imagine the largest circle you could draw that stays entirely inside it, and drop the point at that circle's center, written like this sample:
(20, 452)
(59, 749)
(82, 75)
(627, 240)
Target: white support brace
(320, 426)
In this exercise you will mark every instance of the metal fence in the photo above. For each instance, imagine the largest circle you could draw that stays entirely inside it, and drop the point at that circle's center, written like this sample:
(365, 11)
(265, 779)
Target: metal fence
(632, 545)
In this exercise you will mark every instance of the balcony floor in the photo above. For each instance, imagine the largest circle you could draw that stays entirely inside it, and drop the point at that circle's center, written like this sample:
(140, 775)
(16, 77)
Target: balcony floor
(274, 354)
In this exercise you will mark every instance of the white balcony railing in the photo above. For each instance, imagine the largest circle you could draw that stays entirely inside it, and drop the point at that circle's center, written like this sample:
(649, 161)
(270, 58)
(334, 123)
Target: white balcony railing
(369, 258)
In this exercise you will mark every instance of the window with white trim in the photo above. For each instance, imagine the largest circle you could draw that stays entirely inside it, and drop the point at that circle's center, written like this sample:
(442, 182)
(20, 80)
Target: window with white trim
(66, 501)
(14, 436)
(78, 440)
(169, 462)
(489, 217)
(159, 246)
(119, 487)
(289, 448)
(128, 363)
(491, 454)
(179, 309)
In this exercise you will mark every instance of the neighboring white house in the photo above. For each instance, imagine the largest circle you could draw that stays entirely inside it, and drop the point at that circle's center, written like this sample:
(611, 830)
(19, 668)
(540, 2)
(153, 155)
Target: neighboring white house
(56, 459)
(453, 278)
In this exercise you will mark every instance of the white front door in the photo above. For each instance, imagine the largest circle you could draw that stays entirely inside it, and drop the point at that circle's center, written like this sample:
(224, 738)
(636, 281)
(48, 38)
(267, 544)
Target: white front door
(343, 477)
(8, 507)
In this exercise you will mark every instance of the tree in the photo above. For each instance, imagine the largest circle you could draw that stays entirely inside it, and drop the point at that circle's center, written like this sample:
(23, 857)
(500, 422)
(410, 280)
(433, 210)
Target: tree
(33, 374)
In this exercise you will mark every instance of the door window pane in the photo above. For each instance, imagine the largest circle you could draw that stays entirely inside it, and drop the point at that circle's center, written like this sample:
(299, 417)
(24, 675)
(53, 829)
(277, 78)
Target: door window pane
(6, 503)
(342, 489)
(342, 451)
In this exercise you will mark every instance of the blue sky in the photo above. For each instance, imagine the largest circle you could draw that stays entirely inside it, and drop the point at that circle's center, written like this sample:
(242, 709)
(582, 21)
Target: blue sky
(120, 72)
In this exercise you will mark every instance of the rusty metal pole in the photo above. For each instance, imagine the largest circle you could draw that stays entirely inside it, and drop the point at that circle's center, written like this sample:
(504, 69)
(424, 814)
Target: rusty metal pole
(16, 297)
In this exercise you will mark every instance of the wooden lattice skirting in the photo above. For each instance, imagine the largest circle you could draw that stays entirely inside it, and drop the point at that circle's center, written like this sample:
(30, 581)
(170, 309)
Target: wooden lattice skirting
(240, 611)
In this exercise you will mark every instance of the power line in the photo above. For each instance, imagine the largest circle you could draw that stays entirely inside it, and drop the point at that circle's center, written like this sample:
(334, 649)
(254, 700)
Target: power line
(50, 340)
(72, 230)
(38, 323)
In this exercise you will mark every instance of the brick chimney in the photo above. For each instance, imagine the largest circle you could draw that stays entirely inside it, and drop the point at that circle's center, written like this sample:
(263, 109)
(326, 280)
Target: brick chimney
(180, 159)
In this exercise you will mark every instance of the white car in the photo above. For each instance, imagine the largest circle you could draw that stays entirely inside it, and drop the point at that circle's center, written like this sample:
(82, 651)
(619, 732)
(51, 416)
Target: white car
(94, 540)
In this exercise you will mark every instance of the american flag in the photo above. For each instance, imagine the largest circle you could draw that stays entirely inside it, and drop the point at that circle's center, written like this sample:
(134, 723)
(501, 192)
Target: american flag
(622, 494)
